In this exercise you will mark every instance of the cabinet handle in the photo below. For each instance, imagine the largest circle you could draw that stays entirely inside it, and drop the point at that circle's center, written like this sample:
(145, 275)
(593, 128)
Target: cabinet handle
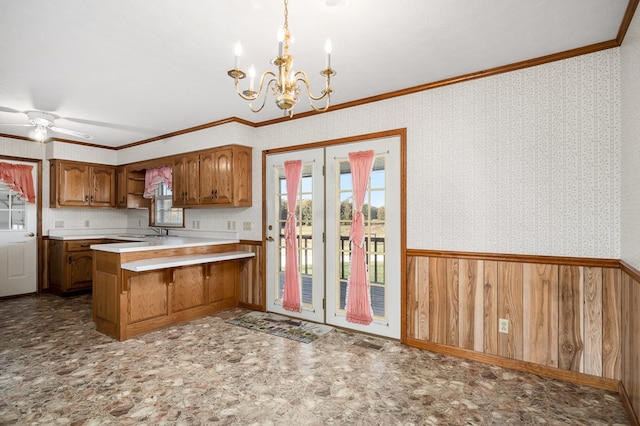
(86, 199)
(92, 198)
(215, 194)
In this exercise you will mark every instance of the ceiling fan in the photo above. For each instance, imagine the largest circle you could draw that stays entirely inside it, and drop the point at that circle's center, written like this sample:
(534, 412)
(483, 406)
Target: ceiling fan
(44, 122)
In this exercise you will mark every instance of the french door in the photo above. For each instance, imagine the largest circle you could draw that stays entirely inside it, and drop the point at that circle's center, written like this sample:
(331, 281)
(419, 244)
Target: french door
(323, 219)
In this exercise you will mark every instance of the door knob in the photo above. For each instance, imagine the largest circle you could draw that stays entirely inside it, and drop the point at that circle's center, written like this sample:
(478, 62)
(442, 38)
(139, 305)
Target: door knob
(31, 234)
(270, 238)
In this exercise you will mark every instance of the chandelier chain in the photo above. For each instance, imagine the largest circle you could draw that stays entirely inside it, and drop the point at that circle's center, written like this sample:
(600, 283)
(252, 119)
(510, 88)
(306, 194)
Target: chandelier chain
(286, 14)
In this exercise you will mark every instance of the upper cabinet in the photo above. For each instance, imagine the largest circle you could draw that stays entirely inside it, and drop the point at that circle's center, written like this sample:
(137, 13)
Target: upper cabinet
(75, 184)
(216, 177)
(131, 188)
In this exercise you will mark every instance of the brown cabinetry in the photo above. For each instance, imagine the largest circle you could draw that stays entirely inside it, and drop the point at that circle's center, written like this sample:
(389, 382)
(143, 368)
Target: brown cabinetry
(75, 184)
(216, 177)
(186, 180)
(127, 303)
(131, 189)
(70, 265)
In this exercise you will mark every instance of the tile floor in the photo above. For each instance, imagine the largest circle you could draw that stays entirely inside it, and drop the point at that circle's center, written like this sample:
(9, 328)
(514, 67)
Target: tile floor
(56, 369)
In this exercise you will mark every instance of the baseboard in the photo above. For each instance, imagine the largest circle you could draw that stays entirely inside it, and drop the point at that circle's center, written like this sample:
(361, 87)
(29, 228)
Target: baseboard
(251, 307)
(514, 364)
(626, 403)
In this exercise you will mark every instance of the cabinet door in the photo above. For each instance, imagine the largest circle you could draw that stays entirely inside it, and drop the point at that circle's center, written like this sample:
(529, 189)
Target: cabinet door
(121, 183)
(79, 273)
(207, 178)
(188, 288)
(73, 184)
(104, 186)
(179, 190)
(192, 180)
(56, 265)
(242, 176)
(223, 176)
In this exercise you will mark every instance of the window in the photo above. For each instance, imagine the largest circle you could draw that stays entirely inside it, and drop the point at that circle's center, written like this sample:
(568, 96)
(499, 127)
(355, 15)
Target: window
(12, 209)
(162, 213)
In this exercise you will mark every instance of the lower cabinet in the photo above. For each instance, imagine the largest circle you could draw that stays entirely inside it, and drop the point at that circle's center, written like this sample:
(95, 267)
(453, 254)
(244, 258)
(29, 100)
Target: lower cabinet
(70, 265)
(126, 303)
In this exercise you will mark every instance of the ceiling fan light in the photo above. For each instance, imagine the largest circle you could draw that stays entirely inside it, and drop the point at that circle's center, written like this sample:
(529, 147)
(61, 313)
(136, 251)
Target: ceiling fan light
(40, 134)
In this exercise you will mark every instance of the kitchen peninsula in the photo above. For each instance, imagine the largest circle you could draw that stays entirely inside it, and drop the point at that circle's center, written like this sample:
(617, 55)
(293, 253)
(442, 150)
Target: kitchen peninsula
(145, 285)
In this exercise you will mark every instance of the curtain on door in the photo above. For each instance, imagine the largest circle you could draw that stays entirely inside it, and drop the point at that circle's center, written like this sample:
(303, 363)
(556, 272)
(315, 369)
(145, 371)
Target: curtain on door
(19, 179)
(358, 302)
(291, 297)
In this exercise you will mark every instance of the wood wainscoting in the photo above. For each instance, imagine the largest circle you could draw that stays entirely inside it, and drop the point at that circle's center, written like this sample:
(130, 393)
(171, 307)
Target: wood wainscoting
(251, 294)
(574, 319)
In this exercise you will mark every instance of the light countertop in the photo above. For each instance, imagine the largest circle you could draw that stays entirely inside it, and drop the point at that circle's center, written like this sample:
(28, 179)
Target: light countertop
(160, 243)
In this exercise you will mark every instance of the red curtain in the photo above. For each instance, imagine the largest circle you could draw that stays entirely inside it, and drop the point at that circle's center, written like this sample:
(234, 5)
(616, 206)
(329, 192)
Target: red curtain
(19, 179)
(291, 298)
(154, 177)
(358, 303)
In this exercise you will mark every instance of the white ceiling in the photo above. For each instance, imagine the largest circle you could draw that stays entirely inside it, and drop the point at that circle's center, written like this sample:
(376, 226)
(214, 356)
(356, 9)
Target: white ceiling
(129, 70)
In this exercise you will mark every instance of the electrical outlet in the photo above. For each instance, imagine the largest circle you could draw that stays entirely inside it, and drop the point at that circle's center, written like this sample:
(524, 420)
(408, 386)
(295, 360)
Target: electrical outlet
(503, 325)
(246, 226)
(87, 224)
(59, 224)
(231, 225)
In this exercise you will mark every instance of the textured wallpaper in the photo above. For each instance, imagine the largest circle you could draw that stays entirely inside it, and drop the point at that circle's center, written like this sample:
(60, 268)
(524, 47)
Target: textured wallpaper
(630, 59)
(526, 162)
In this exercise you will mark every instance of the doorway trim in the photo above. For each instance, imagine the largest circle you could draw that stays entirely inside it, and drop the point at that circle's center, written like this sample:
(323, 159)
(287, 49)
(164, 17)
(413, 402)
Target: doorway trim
(40, 241)
(402, 135)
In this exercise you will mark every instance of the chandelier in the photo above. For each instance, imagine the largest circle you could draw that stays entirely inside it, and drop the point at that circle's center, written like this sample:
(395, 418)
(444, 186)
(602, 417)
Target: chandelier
(286, 85)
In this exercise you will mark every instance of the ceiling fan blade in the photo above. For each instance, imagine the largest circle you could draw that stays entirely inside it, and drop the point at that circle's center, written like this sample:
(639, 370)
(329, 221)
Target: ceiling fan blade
(70, 132)
(5, 109)
(17, 125)
(112, 125)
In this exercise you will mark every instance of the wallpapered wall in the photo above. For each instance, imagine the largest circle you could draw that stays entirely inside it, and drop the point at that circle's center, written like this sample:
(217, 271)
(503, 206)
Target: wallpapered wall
(630, 59)
(525, 162)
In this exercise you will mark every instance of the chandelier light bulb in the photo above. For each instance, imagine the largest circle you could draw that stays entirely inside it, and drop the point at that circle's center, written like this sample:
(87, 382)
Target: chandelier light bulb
(238, 52)
(252, 76)
(280, 35)
(327, 48)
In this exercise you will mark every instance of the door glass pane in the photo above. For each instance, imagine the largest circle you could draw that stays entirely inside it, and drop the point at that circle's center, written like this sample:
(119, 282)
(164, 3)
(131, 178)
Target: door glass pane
(12, 210)
(375, 232)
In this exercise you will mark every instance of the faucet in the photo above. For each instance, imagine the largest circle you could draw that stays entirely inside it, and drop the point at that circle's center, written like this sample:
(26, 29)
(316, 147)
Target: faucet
(160, 231)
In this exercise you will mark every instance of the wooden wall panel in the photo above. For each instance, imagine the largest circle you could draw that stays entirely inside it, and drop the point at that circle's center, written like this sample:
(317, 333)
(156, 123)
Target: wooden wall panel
(471, 305)
(452, 302)
(438, 300)
(570, 345)
(510, 308)
(540, 314)
(581, 317)
(251, 291)
(412, 304)
(418, 297)
(593, 321)
(490, 302)
(611, 323)
(631, 377)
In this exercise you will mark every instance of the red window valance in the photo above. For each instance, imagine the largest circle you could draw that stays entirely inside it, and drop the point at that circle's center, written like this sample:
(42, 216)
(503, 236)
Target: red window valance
(19, 179)
(154, 177)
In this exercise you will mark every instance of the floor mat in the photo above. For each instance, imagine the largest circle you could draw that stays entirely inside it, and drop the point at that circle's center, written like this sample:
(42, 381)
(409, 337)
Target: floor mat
(282, 326)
